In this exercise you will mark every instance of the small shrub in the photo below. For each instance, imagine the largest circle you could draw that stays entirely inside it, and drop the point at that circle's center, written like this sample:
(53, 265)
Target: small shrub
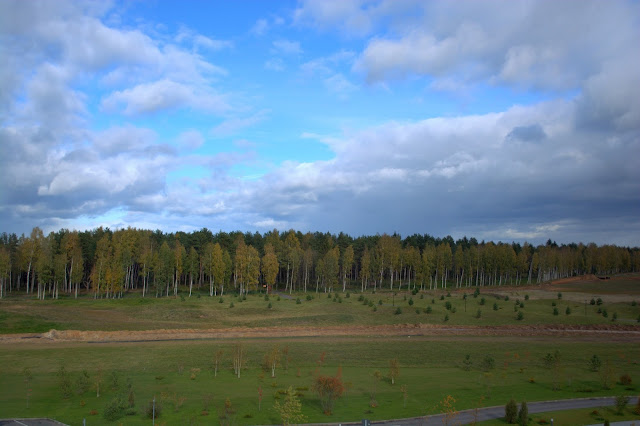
(467, 363)
(553, 304)
(479, 314)
(417, 310)
(526, 297)
(488, 363)
(231, 305)
(370, 304)
(375, 309)
(398, 311)
(605, 313)
(614, 317)
(182, 297)
(433, 301)
(520, 316)
(149, 409)
(269, 306)
(278, 299)
(348, 295)
(599, 301)
(442, 297)
(495, 306)
(198, 296)
(411, 301)
(360, 298)
(522, 304)
(625, 380)
(428, 310)
(482, 301)
(559, 296)
(567, 311)
(221, 300)
(114, 409)
(453, 310)
(506, 298)
(621, 403)
(511, 412)
(422, 296)
(380, 302)
(633, 303)
(448, 294)
(309, 298)
(447, 306)
(266, 297)
(593, 301)
(476, 293)
(298, 301)
(446, 317)
(523, 414)
(595, 363)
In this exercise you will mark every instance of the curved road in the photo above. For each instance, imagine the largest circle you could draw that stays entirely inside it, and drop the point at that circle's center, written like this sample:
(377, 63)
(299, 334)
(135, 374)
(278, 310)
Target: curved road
(489, 413)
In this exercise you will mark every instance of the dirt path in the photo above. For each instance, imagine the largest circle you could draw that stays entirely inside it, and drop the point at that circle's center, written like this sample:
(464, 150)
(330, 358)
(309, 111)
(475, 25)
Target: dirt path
(613, 332)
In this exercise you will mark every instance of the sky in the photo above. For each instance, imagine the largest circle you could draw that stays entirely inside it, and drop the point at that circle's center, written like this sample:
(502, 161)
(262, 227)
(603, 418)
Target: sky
(499, 120)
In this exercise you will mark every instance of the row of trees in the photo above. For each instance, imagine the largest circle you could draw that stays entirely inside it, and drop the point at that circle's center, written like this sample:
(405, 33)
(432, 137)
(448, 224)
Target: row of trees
(108, 263)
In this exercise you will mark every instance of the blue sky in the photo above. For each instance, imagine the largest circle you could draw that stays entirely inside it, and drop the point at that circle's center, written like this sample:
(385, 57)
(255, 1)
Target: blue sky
(500, 120)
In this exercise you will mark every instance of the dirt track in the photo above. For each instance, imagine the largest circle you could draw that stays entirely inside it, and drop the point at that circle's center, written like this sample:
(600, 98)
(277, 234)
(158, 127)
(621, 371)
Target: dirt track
(618, 332)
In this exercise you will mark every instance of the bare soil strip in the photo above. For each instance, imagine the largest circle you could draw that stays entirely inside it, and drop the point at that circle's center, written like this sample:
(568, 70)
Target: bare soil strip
(618, 332)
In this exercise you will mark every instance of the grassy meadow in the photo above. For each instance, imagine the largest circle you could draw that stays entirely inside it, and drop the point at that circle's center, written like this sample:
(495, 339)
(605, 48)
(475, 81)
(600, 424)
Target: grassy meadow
(180, 374)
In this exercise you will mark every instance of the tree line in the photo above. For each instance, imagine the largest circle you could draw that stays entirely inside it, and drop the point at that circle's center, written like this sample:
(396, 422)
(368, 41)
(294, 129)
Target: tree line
(109, 263)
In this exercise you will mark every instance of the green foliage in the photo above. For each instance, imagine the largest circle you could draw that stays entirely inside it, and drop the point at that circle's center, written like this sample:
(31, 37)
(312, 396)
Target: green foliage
(231, 305)
(447, 305)
(467, 363)
(567, 311)
(380, 302)
(476, 292)
(298, 301)
(520, 316)
(559, 295)
(523, 414)
(266, 297)
(82, 383)
(64, 383)
(495, 306)
(555, 311)
(593, 301)
(479, 314)
(599, 301)
(290, 411)
(614, 317)
(625, 380)
(553, 304)
(398, 311)
(526, 297)
(428, 310)
(511, 412)
(269, 306)
(446, 317)
(594, 363)
(488, 363)
(551, 360)
(621, 403)
(482, 301)
(506, 298)
(221, 300)
(410, 301)
(115, 408)
(605, 313)
(310, 297)
(442, 297)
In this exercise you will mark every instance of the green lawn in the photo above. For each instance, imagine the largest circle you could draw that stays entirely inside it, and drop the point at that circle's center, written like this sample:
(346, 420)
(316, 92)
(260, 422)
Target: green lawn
(430, 367)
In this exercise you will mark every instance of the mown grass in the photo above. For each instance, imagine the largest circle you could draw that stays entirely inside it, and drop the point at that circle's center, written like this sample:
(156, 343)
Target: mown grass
(430, 367)
(20, 314)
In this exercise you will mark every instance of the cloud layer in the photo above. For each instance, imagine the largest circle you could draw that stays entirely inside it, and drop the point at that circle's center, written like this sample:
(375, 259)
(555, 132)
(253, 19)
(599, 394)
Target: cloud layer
(84, 106)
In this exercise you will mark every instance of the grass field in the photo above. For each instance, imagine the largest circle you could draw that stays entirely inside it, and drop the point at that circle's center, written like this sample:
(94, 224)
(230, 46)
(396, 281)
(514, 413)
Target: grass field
(431, 368)
(20, 315)
(180, 373)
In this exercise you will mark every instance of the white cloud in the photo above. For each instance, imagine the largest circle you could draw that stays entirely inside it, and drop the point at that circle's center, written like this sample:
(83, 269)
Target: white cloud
(233, 125)
(161, 95)
(287, 47)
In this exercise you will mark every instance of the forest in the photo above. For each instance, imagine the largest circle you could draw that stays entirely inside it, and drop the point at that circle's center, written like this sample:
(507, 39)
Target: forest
(104, 263)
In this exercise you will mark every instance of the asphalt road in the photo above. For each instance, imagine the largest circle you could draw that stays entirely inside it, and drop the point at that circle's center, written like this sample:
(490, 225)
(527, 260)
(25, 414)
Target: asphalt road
(29, 422)
(488, 413)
